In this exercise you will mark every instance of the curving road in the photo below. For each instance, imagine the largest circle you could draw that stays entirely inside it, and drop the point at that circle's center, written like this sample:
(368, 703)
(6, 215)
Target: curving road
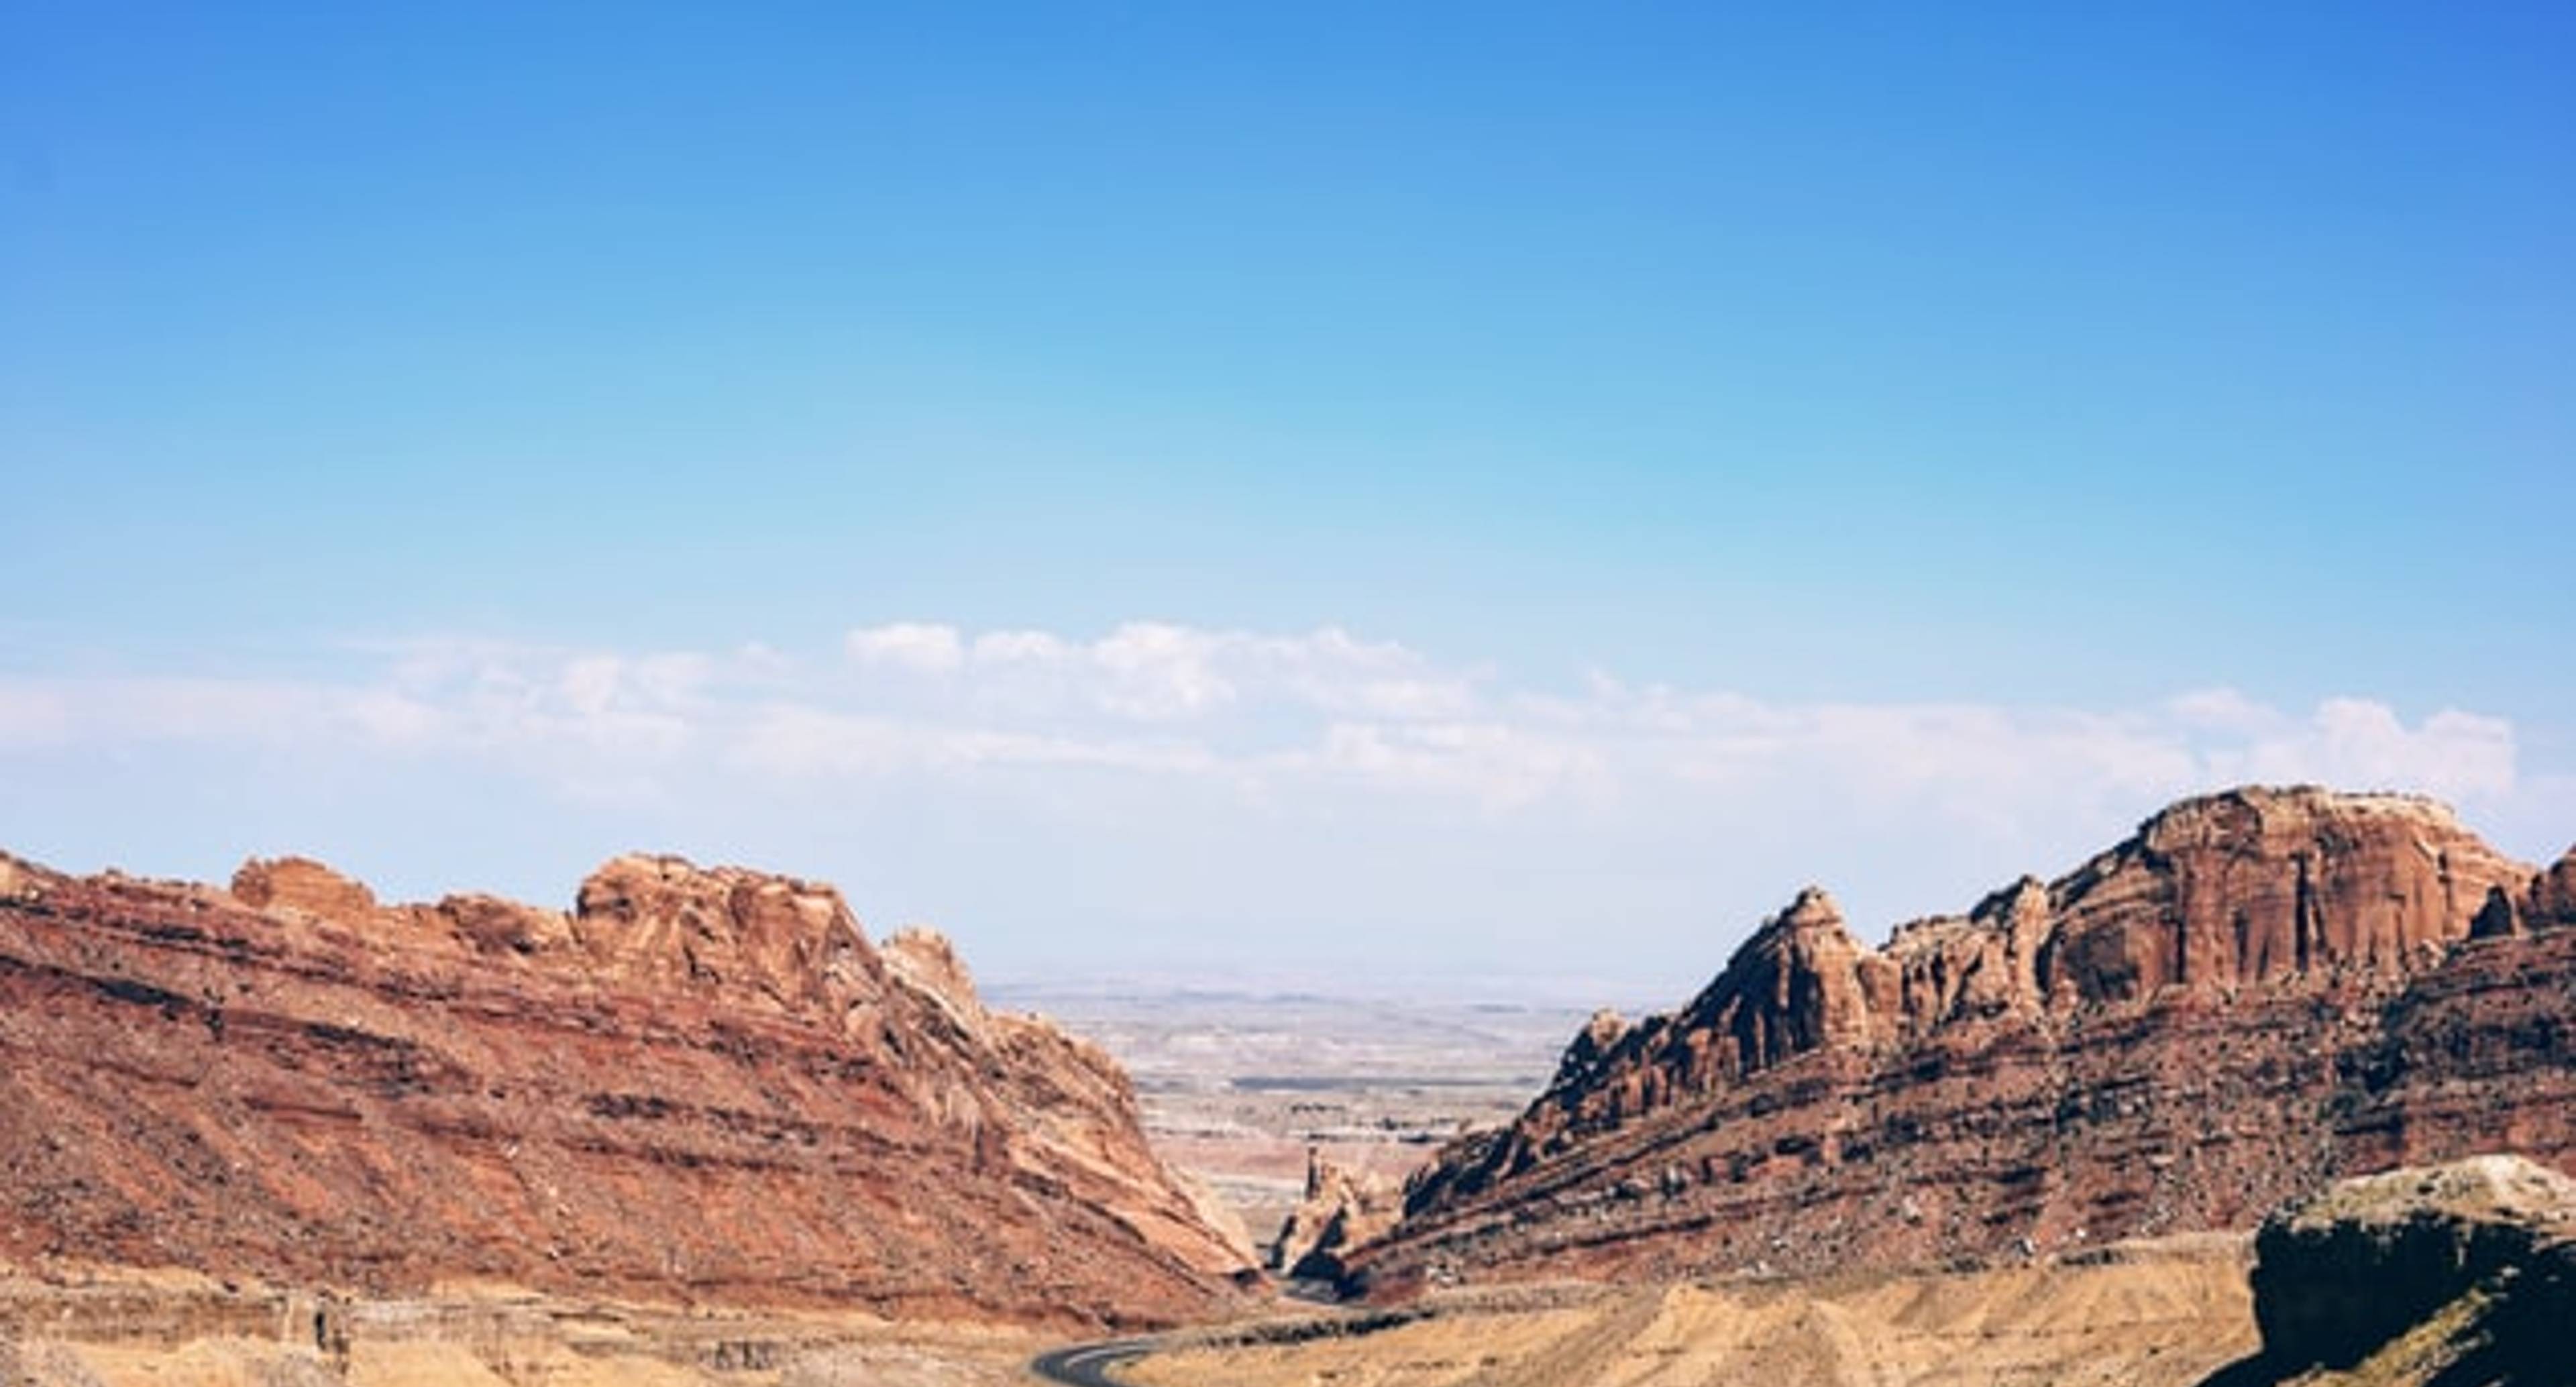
(1088, 1365)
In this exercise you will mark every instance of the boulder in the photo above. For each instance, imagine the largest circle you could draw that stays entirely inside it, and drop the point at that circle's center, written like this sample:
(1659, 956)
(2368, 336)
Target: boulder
(1341, 1210)
(2481, 1252)
(302, 884)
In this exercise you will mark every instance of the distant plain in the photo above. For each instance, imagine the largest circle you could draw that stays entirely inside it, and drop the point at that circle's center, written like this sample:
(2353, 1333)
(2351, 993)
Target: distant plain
(1237, 1086)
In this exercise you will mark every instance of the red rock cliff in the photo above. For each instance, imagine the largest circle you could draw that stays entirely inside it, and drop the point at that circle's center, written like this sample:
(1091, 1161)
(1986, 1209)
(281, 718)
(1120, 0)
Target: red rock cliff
(701, 1085)
(2259, 991)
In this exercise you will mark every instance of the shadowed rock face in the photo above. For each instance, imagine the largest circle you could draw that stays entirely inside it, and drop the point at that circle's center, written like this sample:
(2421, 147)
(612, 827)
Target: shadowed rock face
(2553, 897)
(2461, 1273)
(699, 1085)
(2257, 991)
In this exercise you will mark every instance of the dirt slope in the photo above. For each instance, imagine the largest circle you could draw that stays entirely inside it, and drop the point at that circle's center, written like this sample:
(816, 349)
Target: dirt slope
(2151, 1316)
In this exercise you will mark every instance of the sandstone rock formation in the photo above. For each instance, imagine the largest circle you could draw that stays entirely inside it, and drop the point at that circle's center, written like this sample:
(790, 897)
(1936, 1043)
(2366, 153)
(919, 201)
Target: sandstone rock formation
(300, 883)
(2463, 1273)
(700, 1086)
(2552, 903)
(2260, 990)
(1342, 1209)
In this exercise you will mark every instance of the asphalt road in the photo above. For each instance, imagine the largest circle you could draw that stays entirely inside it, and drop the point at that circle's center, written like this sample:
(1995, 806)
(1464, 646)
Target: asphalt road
(1088, 1365)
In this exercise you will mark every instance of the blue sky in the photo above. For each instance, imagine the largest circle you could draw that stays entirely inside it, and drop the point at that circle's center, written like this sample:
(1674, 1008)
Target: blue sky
(457, 440)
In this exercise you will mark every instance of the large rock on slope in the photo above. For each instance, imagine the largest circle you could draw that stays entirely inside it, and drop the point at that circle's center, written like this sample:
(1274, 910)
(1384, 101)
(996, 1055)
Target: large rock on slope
(2461, 1273)
(2259, 990)
(1341, 1210)
(700, 1085)
(300, 883)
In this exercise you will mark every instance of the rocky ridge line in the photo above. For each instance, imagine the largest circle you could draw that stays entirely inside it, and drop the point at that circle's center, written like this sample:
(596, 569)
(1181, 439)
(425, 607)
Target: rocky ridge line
(698, 1086)
(2257, 991)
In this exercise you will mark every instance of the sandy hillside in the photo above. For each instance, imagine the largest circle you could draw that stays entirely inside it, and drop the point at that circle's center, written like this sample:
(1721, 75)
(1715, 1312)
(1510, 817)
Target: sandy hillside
(122, 1328)
(2143, 1316)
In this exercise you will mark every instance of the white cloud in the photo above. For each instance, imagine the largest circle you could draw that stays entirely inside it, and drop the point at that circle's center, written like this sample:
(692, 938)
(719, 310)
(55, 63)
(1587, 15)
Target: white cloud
(915, 646)
(794, 741)
(1318, 719)
(1333, 796)
(1021, 647)
(809, 743)
(2224, 710)
(1154, 671)
(1161, 672)
(2355, 742)
(589, 685)
(1495, 765)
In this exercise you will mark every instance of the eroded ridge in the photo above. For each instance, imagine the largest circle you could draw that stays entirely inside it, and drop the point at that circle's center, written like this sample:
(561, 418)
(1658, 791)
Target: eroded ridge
(698, 1085)
(2257, 992)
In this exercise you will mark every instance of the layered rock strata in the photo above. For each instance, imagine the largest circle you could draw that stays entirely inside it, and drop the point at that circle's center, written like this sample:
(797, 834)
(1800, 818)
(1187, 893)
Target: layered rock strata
(698, 1086)
(2258, 992)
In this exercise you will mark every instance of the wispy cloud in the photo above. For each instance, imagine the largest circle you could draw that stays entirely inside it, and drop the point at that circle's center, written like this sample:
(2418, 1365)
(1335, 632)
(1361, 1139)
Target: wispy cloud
(912, 645)
(1321, 794)
(1321, 710)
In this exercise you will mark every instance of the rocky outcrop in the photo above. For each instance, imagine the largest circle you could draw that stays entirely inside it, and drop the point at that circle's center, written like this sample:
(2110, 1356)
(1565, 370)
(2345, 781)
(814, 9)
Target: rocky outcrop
(2253, 887)
(2258, 991)
(698, 1086)
(2461, 1273)
(2553, 897)
(1341, 1210)
(300, 883)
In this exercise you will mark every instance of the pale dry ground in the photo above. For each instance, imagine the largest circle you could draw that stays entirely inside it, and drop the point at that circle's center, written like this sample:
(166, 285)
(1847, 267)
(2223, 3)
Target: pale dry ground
(118, 1328)
(2147, 1315)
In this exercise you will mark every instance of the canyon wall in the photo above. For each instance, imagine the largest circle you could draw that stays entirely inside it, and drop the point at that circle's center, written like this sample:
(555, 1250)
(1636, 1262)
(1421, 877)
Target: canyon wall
(698, 1086)
(2260, 991)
